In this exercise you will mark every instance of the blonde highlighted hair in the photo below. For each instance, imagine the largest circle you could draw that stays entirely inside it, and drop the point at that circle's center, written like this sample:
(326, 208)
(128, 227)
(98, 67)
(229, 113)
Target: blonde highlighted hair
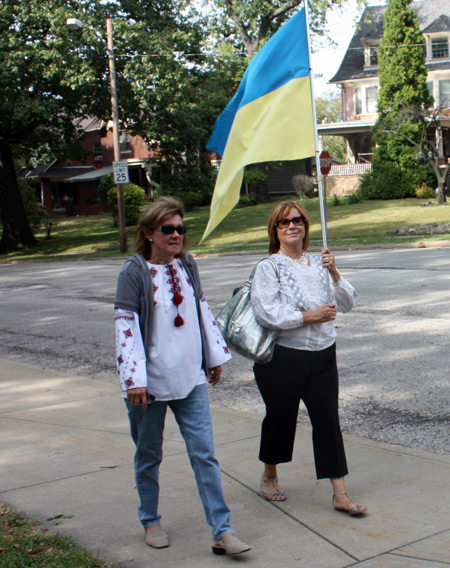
(151, 218)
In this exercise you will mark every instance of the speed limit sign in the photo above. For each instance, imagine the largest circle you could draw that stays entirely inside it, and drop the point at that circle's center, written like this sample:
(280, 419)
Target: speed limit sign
(121, 172)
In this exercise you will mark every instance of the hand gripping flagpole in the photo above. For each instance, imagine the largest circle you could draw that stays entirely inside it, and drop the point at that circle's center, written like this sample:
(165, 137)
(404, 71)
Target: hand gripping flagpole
(322, 196)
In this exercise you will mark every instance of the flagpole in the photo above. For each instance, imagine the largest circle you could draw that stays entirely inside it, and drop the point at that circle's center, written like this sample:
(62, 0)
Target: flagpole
(322, 196)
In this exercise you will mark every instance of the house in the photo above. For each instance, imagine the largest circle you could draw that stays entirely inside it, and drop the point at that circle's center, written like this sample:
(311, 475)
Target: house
(59, 182)
(357, 77)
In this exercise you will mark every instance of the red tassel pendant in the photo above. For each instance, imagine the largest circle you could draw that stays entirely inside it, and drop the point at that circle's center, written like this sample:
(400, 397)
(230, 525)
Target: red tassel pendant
(177, 299)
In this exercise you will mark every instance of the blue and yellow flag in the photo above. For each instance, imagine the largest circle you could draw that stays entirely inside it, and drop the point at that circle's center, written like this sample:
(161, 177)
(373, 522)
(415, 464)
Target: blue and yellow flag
(269, 119)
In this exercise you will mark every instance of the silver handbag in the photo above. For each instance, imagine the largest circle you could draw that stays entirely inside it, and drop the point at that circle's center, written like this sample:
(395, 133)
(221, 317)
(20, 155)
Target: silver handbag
(239, 327)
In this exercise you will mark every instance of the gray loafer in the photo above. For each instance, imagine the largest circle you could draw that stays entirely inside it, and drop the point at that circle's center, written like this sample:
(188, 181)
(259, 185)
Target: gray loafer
(157, 538)
(231, 545)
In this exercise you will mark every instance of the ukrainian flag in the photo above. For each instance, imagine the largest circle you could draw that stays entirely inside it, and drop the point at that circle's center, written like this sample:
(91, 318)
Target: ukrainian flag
(269, 119)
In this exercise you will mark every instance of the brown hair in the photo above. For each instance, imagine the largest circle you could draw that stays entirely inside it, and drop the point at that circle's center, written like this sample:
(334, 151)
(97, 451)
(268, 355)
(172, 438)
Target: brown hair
(151, 218)
(279, 212)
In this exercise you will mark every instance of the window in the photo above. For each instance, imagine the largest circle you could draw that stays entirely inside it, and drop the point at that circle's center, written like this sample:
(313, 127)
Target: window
(97, 148)
(366, 99)
(125, 142)
(430, 88)
(358, 101)
(371, 54)
(439, 47)
(371, 99)
(444, 93)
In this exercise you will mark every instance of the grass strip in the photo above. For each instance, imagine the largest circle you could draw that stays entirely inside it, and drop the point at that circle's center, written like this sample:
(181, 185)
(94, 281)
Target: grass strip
(24, 545)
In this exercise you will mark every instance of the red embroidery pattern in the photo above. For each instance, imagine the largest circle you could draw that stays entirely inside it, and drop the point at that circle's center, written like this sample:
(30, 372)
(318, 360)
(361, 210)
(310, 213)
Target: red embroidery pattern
(175, 288)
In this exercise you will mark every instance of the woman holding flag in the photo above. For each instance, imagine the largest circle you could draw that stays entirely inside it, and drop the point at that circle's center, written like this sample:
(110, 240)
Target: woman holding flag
(304, 362)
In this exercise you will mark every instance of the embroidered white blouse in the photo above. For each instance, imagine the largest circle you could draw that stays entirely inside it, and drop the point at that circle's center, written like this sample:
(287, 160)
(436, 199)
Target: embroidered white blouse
(278, 303)
(174, 367)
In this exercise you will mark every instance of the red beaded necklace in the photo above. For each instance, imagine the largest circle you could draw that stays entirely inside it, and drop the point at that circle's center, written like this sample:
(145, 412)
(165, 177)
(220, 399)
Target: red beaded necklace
(177, 298)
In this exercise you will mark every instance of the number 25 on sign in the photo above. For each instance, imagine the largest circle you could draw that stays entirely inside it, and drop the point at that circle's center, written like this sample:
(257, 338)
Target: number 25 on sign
(121, 172)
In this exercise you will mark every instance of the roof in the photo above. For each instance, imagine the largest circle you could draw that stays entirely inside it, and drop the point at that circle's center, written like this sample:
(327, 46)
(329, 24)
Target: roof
(51, 171)
(431, 16)
(91, 176)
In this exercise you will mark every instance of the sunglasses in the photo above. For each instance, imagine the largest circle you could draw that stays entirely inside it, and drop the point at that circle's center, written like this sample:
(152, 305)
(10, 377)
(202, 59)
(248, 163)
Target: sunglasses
(170, 229)
(284, 223)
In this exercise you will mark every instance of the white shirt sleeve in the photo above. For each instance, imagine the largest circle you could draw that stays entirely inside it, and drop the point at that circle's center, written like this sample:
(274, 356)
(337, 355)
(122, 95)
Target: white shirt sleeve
(216, 350)
(130, 352)
(346, 296)
(267, 306)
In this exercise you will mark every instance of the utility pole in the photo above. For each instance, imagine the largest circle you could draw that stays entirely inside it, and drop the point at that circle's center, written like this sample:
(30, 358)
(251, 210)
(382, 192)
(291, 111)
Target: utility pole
(115, 118)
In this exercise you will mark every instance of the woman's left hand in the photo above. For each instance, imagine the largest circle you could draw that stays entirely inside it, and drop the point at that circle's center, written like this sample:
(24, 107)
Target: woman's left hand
(214, 375)
(329, 262)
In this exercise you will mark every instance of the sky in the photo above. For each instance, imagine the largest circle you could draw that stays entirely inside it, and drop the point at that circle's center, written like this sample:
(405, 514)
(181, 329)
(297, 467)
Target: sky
(326, 59)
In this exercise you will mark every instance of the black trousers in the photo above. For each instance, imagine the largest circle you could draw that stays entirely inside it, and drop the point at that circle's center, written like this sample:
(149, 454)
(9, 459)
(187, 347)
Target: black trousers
(311, 376)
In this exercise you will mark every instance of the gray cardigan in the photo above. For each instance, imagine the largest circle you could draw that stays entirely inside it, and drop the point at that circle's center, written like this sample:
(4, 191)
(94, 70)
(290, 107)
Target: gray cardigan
(134, 292)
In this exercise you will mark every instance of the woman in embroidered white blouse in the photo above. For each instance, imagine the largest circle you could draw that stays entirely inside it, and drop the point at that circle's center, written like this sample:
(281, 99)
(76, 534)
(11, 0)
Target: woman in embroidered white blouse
(303, 366)
(168, 346)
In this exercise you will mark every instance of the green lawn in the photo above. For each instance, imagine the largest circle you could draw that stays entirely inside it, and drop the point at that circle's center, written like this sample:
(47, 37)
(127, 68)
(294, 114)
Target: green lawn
(23, 545)
(368, 222)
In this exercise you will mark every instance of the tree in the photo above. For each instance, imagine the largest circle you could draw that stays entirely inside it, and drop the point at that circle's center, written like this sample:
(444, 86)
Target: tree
(45, 84)
(250, 23)
(427, 148)
(329, 109)
(402, 75)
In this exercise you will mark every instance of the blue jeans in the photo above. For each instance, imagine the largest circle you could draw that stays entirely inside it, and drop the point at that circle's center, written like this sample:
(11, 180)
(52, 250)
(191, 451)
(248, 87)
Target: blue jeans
(194, 419)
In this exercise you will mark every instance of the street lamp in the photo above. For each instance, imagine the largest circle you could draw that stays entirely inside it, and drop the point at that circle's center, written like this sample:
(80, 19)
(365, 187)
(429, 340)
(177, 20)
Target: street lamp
(75, 24)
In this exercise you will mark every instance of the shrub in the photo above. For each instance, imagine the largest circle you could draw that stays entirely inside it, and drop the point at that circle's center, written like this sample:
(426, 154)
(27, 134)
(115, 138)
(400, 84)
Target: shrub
(387, 181)
(336, 200)
(355, 197)
(106, 183)
(425, 192)
(247, 200)
(134, 198)
(192, 186)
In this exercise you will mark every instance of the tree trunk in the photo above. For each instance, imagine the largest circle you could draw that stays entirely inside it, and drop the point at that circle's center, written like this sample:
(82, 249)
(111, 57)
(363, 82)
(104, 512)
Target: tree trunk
(16, 228)
(440, 196)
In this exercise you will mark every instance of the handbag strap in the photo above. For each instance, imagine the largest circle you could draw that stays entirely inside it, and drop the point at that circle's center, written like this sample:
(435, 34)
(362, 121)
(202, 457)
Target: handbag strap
(275, 265)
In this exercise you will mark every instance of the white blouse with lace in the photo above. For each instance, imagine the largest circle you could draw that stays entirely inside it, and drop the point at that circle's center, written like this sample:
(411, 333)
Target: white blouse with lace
(174, 367)
(278, 302)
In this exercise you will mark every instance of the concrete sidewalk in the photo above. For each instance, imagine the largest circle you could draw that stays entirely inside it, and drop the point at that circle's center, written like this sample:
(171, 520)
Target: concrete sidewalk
(66, 457)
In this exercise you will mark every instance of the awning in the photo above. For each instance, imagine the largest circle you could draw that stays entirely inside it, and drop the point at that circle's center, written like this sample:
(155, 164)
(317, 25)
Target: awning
(343, 128)
(91, 176)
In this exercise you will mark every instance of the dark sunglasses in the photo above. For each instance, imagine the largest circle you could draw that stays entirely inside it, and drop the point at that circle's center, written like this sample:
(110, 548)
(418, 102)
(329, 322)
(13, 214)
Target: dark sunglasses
(170, 229)
(284, 223)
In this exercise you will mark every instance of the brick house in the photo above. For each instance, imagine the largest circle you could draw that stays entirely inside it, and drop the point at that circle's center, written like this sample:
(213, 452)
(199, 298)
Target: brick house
(59, 182)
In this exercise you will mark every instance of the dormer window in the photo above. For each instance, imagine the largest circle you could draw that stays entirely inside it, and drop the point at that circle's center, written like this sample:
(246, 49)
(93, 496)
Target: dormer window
(371, 56)
(439, 47)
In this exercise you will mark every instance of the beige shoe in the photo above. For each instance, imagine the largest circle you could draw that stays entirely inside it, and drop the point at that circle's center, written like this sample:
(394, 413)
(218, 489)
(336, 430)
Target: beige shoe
(157, 538)
(230, 545)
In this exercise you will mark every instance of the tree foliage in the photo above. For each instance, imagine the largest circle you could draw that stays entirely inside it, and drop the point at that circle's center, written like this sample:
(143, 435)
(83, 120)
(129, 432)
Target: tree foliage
(329, 109)
(178, 63)
(402, 75)
(46, 82)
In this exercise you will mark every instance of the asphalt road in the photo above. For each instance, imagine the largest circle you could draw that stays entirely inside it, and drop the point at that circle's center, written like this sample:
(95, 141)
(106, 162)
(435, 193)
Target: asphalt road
(393, 349)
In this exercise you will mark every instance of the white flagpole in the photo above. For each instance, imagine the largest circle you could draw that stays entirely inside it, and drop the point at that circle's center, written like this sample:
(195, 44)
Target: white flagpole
(322, 196)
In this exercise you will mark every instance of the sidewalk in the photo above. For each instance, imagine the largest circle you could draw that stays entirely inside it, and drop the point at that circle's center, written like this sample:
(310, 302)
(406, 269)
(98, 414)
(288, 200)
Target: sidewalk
(66, 450)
